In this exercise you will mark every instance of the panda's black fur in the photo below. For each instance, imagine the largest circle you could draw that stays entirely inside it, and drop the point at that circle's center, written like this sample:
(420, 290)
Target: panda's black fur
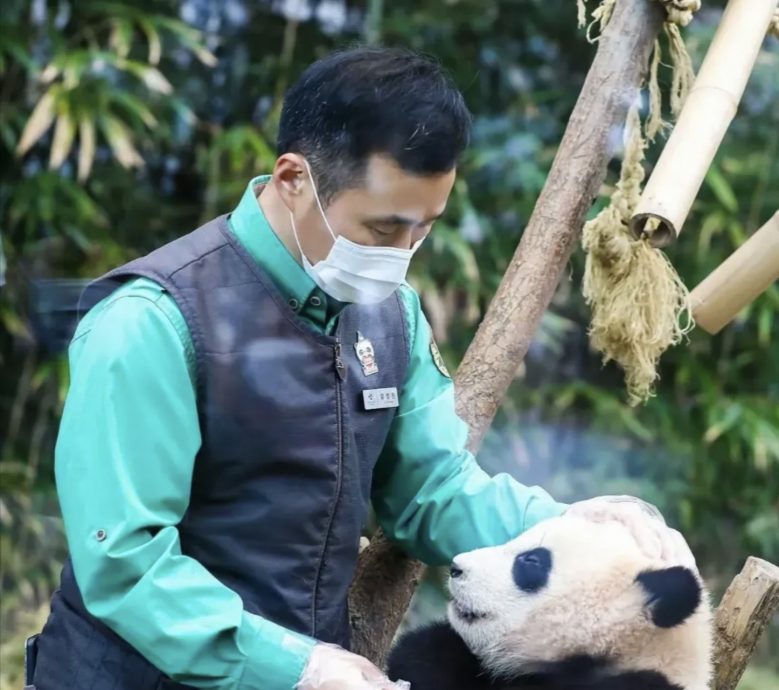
(436, 658)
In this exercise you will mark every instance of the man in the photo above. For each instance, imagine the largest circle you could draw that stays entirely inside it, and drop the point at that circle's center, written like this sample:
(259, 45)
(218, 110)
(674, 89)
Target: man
(243, 394)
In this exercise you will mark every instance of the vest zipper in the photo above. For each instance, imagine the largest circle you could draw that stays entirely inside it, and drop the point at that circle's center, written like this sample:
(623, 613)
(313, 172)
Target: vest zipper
(340, 369)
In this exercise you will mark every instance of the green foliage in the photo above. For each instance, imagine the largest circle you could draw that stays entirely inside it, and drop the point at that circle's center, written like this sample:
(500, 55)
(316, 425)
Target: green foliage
(119, 130)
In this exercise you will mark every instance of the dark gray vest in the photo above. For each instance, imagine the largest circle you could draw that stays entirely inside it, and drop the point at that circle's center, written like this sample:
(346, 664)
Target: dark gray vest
(282, 481)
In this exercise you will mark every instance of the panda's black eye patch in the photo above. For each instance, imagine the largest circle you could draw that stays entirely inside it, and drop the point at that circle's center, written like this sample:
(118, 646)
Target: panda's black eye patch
(532, 568)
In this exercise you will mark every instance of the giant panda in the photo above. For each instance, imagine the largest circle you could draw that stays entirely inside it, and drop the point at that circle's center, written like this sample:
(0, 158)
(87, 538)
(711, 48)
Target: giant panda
(569, 605)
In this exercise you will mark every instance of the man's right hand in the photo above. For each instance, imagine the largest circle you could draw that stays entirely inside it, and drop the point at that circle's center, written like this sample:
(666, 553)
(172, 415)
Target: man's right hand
(333, 668)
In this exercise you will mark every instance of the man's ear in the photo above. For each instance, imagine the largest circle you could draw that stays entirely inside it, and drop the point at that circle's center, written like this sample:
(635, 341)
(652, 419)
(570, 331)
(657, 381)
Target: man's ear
(290, 178)
(673, 594)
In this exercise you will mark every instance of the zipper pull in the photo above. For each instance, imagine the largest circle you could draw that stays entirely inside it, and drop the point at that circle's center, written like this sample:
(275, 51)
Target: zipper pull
(340, 367)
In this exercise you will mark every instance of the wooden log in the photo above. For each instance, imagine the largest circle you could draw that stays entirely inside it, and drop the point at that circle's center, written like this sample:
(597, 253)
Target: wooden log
(706, 116)
(383, 586)
(491, 362)
(739, 280)
(745, 610)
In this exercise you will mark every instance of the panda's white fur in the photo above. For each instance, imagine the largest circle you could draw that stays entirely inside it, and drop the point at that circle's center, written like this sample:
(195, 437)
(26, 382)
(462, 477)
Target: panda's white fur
(590, 605)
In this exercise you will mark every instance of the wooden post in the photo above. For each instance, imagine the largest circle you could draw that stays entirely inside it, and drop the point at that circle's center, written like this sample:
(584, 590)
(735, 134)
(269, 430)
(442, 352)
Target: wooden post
(739, 280)
(377, 601)
(555, 226)
(745, 610)
(706, 116)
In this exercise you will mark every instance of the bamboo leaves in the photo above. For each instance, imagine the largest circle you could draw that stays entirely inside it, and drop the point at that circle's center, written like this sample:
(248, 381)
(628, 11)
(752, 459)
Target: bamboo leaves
(189, 38)
(39, 122)
(86, 153)
(149, 76)
(105, 87)
(120, 141)
(64, 132)
(127, 20)
(121, 37)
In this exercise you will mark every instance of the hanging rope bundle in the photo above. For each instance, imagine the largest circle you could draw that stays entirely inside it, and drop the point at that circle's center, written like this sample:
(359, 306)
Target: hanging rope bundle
(640, 306)
(680, 12)
(635, 294)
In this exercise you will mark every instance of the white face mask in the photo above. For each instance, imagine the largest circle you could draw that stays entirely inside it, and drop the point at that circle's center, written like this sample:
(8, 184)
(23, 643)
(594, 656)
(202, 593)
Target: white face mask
(352, 272)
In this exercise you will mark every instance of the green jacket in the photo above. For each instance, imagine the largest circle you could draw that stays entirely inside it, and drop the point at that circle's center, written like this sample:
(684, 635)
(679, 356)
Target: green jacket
(125, 456)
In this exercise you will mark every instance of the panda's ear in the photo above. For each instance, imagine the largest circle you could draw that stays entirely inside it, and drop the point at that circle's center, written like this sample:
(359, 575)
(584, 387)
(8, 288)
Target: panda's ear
(673, 594)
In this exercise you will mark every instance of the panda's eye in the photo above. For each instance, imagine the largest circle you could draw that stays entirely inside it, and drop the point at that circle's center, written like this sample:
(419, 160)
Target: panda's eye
(532, 568)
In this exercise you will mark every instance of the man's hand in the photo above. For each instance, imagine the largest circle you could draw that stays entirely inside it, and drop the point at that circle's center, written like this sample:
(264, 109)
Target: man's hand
(333, 668)
(645, 523)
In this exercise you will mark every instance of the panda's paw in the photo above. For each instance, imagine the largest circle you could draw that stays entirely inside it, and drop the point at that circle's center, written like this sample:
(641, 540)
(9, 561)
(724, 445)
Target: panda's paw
(435, 657)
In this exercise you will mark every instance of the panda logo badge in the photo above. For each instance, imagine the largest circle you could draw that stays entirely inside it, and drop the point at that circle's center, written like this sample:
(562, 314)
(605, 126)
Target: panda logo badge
(366, 354)
(437, 359)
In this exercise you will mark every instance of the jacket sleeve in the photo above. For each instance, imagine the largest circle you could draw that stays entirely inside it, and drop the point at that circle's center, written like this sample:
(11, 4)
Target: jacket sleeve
(429, 494)
(124, 462)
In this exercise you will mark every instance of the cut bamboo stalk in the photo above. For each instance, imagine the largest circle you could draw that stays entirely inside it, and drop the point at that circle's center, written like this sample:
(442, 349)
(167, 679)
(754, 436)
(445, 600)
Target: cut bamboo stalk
(706, 116)
(745, 610)
(739, 280)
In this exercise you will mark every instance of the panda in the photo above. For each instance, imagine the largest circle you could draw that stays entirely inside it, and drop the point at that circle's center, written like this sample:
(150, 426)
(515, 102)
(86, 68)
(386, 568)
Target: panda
(569, 605)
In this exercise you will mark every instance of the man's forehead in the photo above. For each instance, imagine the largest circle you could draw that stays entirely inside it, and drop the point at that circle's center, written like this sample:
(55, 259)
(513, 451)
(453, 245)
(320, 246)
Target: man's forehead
(391, 195)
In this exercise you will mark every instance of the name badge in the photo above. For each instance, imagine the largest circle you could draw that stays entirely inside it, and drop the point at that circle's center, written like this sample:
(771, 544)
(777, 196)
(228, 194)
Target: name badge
(380, 398)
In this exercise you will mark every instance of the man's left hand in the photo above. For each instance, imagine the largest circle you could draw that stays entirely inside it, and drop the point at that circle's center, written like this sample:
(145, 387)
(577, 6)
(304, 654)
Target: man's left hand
(645, 523)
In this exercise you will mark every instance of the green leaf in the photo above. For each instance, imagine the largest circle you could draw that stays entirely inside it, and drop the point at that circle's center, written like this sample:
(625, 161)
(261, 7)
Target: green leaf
(729, 417)
(87, 146)
(15, 325)
(190, 38)
(40, 120)
(120, 141)
(135, 107)
(64, 131)
(121, 37)
(151, 77)
(15, 47)
(153, 38)
(765, 326)
(722, 189)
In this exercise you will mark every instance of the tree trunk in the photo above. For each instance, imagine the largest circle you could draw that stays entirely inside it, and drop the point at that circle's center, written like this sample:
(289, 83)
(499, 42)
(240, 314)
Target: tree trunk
(744, 612)
(385, 578)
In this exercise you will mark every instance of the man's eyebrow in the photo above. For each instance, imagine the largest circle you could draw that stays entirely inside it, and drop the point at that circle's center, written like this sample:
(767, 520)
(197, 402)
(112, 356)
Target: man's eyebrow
(402, 220)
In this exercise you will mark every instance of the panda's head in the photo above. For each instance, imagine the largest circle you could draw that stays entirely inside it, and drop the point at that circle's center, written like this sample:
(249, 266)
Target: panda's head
(571, 587)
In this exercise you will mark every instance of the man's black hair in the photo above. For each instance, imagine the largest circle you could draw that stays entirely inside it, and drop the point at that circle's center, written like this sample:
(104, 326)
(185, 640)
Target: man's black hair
(363, 101)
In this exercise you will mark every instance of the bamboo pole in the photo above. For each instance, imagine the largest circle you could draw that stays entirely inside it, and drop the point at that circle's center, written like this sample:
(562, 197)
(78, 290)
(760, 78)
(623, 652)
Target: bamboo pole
(706, 116)
(739, 280)
(377, 602)
(744, 612)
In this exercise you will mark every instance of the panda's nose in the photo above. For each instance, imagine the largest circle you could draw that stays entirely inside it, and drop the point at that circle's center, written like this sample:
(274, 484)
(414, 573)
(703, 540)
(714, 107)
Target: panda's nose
(455, 570)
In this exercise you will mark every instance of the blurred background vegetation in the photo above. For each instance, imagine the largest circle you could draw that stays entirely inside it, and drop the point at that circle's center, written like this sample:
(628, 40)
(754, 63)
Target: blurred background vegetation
(124, 124)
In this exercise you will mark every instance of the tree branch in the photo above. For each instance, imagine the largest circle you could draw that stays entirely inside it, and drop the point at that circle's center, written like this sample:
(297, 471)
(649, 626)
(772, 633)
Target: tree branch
(385, 578)
(579, 168)
(744, 612)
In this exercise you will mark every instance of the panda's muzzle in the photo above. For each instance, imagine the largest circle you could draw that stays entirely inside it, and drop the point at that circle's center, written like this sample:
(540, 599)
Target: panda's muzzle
(457, 573)
(466, 614)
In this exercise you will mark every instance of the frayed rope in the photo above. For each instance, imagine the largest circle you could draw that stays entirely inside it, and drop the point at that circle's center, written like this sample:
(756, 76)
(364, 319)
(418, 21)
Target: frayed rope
(640, 306)
(634, 292)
